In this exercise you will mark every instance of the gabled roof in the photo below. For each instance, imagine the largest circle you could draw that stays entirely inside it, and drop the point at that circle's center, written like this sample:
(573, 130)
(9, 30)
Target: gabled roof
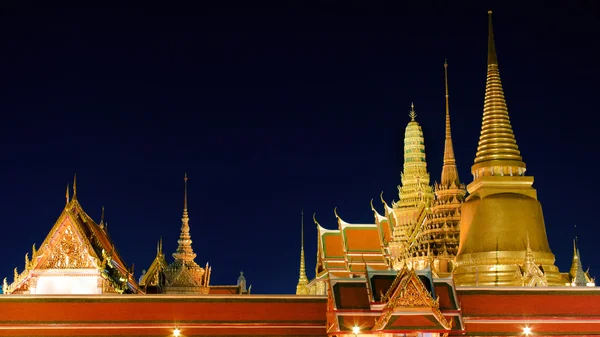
(413, 300)
(77, 242)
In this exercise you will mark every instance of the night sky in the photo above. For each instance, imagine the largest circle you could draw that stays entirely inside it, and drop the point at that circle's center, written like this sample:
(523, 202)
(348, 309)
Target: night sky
(277, 108)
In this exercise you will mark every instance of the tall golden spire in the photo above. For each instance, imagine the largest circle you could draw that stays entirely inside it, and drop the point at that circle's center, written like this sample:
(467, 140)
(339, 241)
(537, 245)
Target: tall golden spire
(184, 251)
(502, 210)
(497, 153)
(301, 288)
(449, 170)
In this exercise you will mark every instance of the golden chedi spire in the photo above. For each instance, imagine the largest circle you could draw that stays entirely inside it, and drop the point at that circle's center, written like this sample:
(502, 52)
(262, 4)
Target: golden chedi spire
(502, 208)
(301, 288)
(497, 148)
(449, 170)
(184, 275)
(441, 232)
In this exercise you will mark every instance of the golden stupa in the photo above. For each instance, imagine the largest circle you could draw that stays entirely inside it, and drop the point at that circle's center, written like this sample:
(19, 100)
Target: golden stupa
(502, 225)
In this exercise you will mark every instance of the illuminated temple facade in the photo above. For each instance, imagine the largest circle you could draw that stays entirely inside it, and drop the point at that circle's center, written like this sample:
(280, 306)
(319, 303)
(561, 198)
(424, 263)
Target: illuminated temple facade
(445, 259)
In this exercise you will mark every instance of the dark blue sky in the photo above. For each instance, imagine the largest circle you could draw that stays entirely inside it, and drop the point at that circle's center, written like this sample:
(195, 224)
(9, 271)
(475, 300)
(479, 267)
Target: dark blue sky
(272, 109)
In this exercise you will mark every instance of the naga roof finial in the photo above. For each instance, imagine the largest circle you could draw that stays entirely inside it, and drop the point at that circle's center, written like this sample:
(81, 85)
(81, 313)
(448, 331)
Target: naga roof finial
(101, 224)
(75, 187)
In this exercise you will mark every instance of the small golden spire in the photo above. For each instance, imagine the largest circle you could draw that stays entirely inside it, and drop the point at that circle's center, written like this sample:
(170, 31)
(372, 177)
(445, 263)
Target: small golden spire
(412, 114)
(301, 288)
(75, 187)
(184, 251)
(67, 195)
(497, 145)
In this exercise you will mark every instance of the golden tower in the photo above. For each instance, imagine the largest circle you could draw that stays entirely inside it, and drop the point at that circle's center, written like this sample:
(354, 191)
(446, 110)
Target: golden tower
(502, 210)
(415, 194)
(184, 275)
(441, 233)
(302, 287)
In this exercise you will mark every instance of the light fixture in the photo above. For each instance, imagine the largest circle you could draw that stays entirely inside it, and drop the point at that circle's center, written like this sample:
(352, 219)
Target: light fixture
(527, 331)
(176, 332)
(356, 330)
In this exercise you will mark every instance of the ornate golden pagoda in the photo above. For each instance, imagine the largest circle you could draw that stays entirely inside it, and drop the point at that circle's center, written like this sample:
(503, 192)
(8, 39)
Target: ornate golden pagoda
(302, 286)
(502, 210)
(415, 194)
(184, 275)
(440, 236)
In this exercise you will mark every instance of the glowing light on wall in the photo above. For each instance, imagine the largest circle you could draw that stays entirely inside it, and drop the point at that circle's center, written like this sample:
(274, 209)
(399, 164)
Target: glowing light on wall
(527, 331)
(61, 285)
(176, 332)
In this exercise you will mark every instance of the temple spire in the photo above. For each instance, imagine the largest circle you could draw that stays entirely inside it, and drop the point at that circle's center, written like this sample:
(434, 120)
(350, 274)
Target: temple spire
(184, 251)
(301, 288)
(449, 170)
(67, 195)
(497, 153)
(577, 273)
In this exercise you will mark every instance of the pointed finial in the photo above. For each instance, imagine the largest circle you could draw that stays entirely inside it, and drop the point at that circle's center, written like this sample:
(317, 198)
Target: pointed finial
(67, 195)
(412, 113)
(75, 187)
(185, 179)
(160, 245)
(492, 58)
(302, 229)
(102, 218)
(335, 212)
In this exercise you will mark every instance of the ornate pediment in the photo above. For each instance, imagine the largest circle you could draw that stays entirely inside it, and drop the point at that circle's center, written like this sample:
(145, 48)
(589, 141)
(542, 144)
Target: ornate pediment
(406, 295)
(68, 252)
